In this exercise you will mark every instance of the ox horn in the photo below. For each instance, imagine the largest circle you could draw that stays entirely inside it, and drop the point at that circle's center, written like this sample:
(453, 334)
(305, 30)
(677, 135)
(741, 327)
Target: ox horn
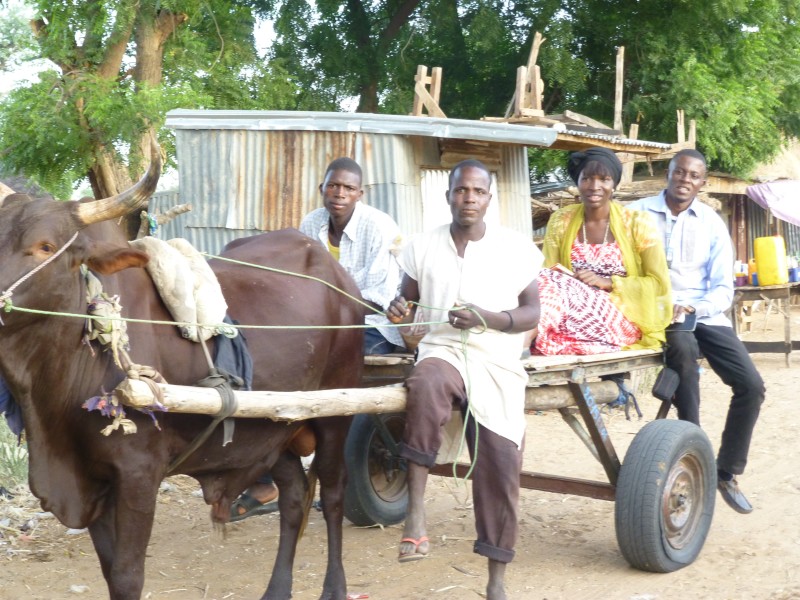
(127, 201)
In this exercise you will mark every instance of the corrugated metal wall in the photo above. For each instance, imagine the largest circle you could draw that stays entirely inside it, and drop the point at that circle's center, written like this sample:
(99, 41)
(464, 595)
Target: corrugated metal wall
(758, 225)
(241, 182)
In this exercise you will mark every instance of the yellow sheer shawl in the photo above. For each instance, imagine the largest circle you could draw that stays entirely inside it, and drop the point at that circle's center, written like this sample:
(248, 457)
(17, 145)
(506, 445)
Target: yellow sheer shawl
(645, 295)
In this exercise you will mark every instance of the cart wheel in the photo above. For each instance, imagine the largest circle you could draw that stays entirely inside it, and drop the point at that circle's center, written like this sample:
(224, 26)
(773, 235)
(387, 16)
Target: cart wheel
(665, 496)
(376, 490)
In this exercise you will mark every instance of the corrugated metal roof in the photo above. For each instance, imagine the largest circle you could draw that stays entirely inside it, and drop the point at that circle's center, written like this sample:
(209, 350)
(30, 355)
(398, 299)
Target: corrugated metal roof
(617, 139)
(361, 123)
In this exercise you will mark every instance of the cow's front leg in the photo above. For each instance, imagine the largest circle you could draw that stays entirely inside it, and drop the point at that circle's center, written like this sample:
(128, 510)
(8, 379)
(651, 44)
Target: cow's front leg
(292, 484)
(330, 465)
(120, 537)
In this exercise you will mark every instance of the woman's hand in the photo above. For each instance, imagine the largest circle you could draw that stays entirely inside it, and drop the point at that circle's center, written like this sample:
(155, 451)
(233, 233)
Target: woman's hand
(591, 278)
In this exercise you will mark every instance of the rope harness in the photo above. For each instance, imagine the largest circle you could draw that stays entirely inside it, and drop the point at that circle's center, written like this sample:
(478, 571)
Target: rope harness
(5, 297)
(112, 332)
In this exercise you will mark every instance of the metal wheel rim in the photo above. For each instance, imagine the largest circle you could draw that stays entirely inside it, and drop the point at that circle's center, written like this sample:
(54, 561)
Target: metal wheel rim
(388, 489)
(682, 501)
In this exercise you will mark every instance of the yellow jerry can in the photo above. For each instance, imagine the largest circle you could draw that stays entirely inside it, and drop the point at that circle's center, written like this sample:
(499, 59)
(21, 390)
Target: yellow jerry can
(773, 269)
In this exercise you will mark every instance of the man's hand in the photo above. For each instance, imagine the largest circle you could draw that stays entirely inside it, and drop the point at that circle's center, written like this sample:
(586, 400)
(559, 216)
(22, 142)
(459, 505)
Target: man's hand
(465, 317)
(399, 311)
(679, 310)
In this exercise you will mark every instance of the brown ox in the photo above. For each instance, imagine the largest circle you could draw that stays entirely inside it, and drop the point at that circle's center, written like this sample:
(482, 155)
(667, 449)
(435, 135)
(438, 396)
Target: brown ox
(109, 484)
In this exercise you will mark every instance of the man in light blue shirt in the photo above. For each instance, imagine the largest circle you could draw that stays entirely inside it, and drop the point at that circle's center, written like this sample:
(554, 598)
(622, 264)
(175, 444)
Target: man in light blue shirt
(700, 258)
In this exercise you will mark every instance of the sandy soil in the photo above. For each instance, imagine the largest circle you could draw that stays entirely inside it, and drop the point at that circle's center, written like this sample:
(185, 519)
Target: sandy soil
(567, 548)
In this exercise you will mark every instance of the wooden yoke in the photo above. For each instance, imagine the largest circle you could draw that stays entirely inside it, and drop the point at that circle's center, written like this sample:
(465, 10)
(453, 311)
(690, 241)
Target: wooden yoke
(423, 99)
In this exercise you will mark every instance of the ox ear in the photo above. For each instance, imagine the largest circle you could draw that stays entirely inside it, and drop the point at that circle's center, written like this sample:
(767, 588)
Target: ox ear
(106, 258)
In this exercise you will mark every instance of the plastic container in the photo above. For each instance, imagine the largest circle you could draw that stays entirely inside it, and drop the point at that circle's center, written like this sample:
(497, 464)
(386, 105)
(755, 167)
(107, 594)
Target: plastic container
(771, 260)
(751, 268)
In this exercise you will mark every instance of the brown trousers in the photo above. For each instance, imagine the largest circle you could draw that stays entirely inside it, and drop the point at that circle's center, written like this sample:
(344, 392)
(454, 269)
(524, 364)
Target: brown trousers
(434, 388)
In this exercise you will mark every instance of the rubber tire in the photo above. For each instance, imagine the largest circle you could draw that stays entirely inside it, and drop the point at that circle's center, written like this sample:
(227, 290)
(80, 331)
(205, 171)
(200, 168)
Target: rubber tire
(666, 457)
(371, 496)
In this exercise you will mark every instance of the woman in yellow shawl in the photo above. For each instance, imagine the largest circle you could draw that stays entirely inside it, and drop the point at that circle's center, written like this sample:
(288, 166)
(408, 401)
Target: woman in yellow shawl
(615, 292)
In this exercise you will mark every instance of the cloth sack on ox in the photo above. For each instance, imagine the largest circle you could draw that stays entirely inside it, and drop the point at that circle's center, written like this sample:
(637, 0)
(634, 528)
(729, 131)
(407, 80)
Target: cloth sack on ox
(187, 285)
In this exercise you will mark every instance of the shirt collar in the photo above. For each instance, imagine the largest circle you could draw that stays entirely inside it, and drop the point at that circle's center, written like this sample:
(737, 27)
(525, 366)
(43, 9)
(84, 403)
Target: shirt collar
(661, 206)
(351, 229)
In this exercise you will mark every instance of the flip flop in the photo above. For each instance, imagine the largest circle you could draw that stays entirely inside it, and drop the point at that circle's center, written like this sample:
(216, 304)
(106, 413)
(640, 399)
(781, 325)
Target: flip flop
(416, 555)
(251, 506)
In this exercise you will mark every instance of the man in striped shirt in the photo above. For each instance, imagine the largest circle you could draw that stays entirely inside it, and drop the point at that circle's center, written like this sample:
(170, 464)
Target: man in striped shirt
(364, 241)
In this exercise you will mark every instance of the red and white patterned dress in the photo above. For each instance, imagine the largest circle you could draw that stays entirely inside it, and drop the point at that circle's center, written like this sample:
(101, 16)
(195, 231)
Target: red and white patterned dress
(577, 318)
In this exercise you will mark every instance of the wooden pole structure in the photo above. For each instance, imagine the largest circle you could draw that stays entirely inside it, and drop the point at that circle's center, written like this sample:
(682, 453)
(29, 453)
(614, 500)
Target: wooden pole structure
(424, 99)
(533, 56)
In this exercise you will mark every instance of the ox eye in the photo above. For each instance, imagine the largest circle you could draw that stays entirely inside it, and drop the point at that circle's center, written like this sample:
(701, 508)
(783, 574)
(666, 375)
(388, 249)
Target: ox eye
(47, 248)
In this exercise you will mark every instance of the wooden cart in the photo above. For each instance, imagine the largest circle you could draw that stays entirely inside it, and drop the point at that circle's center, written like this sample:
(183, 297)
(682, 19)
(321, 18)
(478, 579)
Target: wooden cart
(664, 491)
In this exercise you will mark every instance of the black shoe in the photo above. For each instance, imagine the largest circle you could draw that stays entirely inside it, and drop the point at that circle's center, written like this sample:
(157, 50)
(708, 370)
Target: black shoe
(733, 496)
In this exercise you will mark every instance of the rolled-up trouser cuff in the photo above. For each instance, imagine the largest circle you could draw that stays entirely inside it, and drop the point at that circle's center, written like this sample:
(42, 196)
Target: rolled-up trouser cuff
(493, 552)
(414, 455)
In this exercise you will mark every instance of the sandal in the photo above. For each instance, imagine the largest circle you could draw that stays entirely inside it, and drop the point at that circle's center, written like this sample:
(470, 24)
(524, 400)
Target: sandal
(252, 506)
(417, 554)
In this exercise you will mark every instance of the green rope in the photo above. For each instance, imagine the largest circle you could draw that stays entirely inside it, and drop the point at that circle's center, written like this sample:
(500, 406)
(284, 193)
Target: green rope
(9, 306)
(293, 274)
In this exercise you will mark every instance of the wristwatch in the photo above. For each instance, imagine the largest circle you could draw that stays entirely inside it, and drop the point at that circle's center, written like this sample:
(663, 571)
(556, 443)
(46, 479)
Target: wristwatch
(689, 309)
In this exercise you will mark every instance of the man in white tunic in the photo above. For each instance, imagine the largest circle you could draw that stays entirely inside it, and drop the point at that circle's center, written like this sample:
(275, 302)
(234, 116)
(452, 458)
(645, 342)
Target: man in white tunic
(479, 282)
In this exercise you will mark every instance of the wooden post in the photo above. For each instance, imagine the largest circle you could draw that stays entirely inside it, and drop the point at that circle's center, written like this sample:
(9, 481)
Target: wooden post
(521, 93)
(537, 88)
(627, 166)
(618, 88)
(681, 127)
(693, 132)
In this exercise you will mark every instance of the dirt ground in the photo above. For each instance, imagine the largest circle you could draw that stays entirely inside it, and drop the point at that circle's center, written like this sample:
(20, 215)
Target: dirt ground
(567, 548)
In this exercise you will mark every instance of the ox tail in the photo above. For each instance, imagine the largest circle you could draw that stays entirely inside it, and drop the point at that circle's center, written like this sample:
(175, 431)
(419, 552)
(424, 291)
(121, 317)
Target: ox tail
(308, 501)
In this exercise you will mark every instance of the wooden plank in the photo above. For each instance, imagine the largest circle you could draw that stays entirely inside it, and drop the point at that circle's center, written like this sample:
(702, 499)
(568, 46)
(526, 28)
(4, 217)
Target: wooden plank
(545, 483)
(568, 114)
(427, 101)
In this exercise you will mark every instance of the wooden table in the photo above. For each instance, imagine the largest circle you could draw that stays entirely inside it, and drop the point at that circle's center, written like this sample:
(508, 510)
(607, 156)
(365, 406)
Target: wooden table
(782, 292)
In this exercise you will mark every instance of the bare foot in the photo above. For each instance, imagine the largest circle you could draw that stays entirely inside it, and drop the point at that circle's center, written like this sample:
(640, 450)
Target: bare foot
(414, 544)
(496, 590)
